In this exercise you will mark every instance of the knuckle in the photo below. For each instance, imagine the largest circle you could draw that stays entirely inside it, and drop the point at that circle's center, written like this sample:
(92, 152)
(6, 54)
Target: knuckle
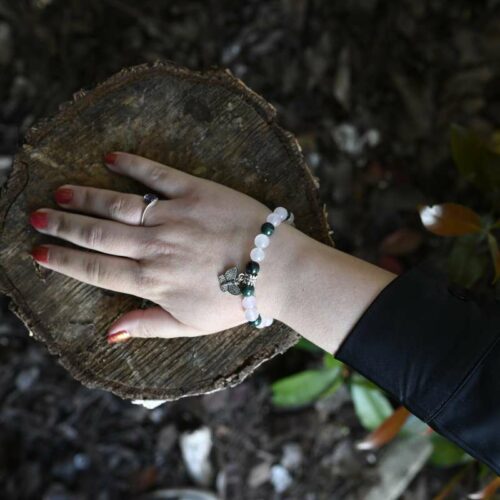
(61, 225)
(155, 246)
(158, 175)
(147, 281)
(92, 235)
(116, 208)
(94, 270)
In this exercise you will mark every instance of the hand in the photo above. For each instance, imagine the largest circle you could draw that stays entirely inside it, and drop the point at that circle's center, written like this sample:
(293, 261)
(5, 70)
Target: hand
(173, 260)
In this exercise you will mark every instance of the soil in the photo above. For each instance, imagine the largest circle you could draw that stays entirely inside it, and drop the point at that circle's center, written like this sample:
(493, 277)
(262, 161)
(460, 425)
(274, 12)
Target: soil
(370, 89)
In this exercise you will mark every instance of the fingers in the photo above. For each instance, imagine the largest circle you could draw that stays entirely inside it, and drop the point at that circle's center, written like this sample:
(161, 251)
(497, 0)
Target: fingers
(146, 323)
(113, 273)
(120, 207)
(172, 183)
(101, 235)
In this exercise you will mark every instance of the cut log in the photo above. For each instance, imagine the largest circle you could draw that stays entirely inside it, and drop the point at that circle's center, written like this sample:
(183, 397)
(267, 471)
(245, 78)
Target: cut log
(208, 124)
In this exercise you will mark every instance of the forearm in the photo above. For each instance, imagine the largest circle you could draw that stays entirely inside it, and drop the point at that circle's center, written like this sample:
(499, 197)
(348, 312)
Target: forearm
(326, 291)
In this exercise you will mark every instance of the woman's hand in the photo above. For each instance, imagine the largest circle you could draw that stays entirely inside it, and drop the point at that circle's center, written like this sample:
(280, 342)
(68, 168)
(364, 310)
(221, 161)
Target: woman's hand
(174, 259)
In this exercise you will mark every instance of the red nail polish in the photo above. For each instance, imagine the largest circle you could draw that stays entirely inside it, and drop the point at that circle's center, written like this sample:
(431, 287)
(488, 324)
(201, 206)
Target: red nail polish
(64, 195)
(110, 158)
(40, 254)
(39, 220)
(120, 336)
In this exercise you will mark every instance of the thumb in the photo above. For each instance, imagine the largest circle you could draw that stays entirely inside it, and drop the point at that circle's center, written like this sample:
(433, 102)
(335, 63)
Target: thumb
(152, 322)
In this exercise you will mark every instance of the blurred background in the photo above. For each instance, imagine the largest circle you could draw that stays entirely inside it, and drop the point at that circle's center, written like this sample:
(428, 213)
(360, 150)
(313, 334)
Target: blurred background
(396, 105)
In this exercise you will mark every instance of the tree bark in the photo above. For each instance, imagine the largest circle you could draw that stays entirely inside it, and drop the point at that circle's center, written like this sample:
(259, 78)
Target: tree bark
(208, 124)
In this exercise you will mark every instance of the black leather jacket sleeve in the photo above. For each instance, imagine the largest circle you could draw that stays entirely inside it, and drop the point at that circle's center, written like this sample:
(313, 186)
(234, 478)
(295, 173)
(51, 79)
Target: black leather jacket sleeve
(435, 347)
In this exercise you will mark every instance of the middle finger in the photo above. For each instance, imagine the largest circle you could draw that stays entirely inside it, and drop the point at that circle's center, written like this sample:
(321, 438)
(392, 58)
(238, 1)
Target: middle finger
(96, 234)
(113, 205)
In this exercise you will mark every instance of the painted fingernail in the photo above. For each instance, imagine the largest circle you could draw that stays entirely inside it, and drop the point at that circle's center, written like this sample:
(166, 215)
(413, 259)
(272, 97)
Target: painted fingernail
(120, 336)
(110, 158)
(39, 220)
(64, 195)
(40, 254)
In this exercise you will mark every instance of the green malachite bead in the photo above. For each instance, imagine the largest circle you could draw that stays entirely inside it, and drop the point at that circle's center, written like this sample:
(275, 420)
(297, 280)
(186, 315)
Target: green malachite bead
(257, 321)
(252, 268)
(267, 228)
(247, 290)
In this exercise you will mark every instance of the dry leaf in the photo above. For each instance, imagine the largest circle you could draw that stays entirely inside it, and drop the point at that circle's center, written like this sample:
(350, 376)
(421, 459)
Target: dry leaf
(450, 219)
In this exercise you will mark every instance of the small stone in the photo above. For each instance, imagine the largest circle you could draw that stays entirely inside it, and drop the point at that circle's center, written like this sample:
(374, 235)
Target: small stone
(257, 254)
(148, 198)
(274, 219)
(251, 314)
(267, 228)
(281, 212)
(261, 241)
(280, 478)
(249, 302)
(247, 290)
(252, 268)
(257, 321)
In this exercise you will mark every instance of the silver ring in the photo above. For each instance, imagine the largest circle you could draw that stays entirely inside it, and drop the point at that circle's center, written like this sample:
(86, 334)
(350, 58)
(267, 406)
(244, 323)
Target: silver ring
(151, 200)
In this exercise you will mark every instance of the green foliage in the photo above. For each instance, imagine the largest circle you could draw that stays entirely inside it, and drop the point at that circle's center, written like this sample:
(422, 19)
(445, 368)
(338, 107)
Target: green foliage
(465, 263)
(306, 345)
(475, 158)
(305, 387)
(370, 403)
(446, 454)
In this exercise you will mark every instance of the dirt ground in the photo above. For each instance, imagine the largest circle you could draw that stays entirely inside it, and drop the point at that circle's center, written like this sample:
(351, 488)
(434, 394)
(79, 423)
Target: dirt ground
(370, 88)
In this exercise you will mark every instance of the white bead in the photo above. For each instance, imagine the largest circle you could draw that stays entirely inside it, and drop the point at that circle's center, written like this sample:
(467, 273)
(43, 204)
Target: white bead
(281, 212)
(249, 302)
(251, 314)
(267, 321)
(274, 219)
(261, 241)
(257, 254)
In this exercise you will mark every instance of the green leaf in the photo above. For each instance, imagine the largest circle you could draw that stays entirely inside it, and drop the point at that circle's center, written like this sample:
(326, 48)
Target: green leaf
(465, 263)
(306, 345)
(371, 406)
(414, 427)
(304, 387)
(330, 362)
(474, 158)
(445, 453)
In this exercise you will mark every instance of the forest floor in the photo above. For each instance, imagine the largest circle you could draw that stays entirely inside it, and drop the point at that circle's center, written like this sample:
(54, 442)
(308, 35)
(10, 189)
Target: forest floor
(370, 89)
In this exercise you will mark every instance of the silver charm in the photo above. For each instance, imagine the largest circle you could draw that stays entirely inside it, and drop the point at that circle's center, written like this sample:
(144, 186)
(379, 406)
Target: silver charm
(229, 281)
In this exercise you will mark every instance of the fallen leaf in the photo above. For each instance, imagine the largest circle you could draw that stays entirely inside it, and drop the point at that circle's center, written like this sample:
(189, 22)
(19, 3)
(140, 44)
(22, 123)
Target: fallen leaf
(449, 219)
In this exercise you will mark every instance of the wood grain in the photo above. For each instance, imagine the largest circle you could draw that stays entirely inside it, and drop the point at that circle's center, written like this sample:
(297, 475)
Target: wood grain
(206, 123)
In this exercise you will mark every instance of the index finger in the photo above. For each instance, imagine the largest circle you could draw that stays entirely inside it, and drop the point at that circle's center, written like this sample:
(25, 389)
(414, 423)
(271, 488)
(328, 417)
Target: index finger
(167, 180)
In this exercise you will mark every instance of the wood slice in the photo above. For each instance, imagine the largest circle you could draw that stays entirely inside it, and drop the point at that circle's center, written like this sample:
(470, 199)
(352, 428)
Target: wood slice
(208, 124)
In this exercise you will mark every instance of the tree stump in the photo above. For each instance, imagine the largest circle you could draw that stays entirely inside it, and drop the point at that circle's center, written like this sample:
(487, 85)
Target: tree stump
(206, 123)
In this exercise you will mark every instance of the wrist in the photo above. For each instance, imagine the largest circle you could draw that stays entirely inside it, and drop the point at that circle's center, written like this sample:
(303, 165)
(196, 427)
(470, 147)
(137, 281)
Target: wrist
(278, 272)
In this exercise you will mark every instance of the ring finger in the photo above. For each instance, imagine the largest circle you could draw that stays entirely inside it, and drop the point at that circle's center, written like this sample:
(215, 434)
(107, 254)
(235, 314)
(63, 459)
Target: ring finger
(121, 207)
(96, 234)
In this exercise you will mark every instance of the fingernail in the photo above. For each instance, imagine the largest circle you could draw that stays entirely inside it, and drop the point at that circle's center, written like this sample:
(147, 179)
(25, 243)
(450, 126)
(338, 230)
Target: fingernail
(64, 195)
(110, 159)
(120, 336)
(40, 254)
(39, 220)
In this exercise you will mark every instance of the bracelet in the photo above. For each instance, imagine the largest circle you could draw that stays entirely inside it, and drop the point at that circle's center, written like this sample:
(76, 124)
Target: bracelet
(244, 283)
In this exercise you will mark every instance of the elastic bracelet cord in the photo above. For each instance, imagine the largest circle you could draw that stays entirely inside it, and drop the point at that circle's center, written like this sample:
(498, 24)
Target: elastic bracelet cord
(257, 255)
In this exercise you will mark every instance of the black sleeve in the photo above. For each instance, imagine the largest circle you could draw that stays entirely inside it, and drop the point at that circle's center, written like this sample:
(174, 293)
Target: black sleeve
(435, 347)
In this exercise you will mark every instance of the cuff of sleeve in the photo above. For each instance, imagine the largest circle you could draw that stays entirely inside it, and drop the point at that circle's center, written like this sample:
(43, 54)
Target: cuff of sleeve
(433, 347)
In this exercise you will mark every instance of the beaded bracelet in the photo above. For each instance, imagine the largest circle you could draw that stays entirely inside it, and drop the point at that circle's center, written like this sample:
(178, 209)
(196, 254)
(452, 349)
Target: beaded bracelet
(244, 283)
